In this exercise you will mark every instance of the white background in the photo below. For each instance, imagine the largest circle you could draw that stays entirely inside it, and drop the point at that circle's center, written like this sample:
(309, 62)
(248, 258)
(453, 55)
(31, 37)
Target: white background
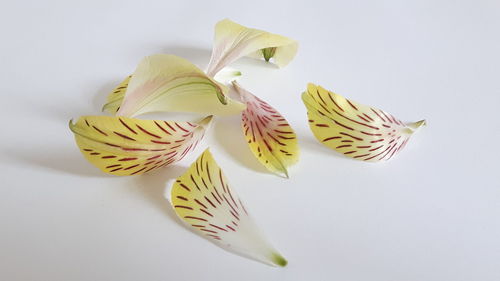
(430, 214)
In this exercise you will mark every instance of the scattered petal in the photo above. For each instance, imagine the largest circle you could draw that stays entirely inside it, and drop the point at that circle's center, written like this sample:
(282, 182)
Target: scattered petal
(203, 199)
(127, 146)
(268, 134)
(355, 130)
(115, 98)
(233, 41)
(170, 83)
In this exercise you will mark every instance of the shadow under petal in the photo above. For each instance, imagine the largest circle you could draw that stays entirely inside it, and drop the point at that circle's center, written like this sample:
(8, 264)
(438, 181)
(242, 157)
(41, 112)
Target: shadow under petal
(152, 187)
(55, 159)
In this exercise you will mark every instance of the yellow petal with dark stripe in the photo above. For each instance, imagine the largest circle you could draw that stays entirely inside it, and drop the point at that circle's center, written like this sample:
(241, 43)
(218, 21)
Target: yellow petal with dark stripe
(126, 146)
(269, 136)
(355, 130)
(203, 199)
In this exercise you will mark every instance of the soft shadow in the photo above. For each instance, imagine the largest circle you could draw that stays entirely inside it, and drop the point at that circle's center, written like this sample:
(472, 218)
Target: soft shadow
(229, 135)
(152, 187)
(54, 159)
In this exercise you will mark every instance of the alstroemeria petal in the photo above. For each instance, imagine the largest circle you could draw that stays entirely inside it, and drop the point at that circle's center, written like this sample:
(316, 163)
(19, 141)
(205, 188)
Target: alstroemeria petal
(233, 41)
(268, 134)
(203, 199)
(115, 98)
(127, 146)
(355, 130)
(227, 75)
(170, 83)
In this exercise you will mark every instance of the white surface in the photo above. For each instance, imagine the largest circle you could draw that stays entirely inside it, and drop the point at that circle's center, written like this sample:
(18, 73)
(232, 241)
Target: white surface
(430, 214)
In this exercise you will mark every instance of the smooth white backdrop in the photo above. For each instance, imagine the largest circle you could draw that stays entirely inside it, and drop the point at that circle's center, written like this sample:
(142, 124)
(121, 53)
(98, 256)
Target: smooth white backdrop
(431, 214)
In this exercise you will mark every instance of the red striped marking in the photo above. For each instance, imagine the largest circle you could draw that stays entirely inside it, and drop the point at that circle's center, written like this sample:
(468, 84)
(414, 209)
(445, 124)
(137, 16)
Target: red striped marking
(199, 203)
(147, 132)
(128, 159)
(342, 125)
(185, 187)
(131, 167)
(371, 134)
(206, 212)
(183, 207)
(182, 198)
(153, 157)
(346, 134)
(97, 129)
(342, 146)
(378, 147)
(177, 124)
(108, 157)
(210, 202)
(352, 105)
(218, 227)
(163, 129)
(333, 100)
(363, 155)
(195, 218)
(160, 142)
(126, 126)
(331, 138)
(124, 136)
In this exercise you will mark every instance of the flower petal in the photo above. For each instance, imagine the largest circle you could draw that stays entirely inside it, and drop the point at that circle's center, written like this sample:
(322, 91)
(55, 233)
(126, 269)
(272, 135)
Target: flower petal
(227, 75)
(170, 83)
(127, 146)
(115, 98)
(358, 131)
(268, 134)
(233, 41)
(203, 199)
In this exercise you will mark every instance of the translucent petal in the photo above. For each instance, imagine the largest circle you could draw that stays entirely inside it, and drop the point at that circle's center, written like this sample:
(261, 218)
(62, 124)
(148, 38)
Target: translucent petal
(203, 199)
(355, 130)
(233, 41)
(170, 83)
(127, 146)
(269, 136)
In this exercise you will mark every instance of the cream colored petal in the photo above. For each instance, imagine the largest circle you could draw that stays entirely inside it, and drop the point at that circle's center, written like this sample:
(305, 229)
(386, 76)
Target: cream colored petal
(233, 41)
(170, 83)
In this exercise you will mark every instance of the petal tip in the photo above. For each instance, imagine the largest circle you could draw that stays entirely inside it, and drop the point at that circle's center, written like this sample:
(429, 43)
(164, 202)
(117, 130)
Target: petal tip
(279, 260)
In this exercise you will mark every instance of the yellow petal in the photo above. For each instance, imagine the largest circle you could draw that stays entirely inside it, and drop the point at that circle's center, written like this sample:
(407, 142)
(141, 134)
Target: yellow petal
(127, 146)
(233, 41)
(203, 199)
(115, 98)
(269, 136)
(355, 130)
(170, 83)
